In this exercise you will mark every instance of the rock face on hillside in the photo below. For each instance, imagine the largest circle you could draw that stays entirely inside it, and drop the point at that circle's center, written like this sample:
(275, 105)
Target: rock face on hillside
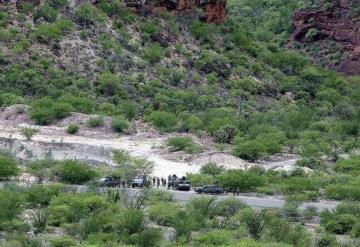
(338, 25)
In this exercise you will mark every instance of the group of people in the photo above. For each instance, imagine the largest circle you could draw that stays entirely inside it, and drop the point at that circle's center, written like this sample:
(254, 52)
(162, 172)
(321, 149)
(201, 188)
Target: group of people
(159, 182)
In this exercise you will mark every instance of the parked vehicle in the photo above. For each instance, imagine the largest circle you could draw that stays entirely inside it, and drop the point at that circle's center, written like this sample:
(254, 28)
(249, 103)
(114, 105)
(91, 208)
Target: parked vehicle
(183, 184)
(109, 181)
(138, 183)
(209, 189)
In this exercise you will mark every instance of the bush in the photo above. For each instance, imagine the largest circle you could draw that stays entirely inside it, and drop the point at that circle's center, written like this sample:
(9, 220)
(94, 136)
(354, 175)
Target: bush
(95, 122)
(40, 195)
(88, 14)
(212, 169)
(254, 221)
(163, 213)
(28, 133)
(154, 53)
(349, 166)
(73, 129)
(340, 223)
(185, 144)
(228, 207)
(165, 121)
(108, 84)
(62, 242)
(75, 172)
(80, 104)
(149, 238)
(242, 180)
(46, 12)
(225, 134)
(119, 124)
(250, 150)
(193, 123)
(10, 205)
(131, 221)
(40, 219)
(8, 167)
(53, 31)
(44, 111)
(214, 238)
(327, 240)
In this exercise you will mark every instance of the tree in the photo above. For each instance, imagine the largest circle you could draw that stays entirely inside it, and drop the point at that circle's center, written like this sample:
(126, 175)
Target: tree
(75, 172)
(28, 133)
(8, 167)
(212, 169)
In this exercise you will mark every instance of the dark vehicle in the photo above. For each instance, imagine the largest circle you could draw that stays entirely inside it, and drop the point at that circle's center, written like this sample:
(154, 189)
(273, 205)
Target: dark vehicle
(209, 189)
(109, 181)
(138, 183)
(183, 184)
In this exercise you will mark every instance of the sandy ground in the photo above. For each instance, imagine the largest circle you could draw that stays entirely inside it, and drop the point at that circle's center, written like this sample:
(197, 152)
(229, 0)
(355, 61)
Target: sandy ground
(95, 145)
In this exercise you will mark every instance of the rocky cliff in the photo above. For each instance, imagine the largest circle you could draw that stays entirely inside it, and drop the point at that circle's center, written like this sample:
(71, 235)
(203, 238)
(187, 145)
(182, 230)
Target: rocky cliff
(330, 33)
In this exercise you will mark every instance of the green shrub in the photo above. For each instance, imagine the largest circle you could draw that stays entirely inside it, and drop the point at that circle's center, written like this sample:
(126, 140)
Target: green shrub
(149, 238)
(62, 242)
(10, 205)
(73, 129)
(349, 166)
(225, 134)
(119, 124)
(58, 3)
(200, 179)
(193, 123)
(254, 221)
(80, 104)
(163, 213)
(46, 12)
(340, 224)
(45, 110)
(8, 167)
(40, 219)
(165, 121)
(40, 195)
(3, 18)
(212, 169)
(185, 144)
(242, 180)
(214, 238)
(153, 52)
(53, 31)
(343, 191)
(75, 172)
(131, 221)
(95, 122)
(108, 84)
(250, 150)
(88, 14)
(228, 207)
(327, 240)
(28, 133)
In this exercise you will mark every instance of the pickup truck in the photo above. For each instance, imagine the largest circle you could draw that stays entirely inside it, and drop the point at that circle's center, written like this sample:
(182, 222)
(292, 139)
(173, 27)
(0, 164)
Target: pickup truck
(209, 189)
(109, 181)
(137, 183)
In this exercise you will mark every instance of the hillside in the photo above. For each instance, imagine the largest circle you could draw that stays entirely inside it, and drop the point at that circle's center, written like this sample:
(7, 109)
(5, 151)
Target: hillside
(330, 34)
(180, 75)
(263, 104)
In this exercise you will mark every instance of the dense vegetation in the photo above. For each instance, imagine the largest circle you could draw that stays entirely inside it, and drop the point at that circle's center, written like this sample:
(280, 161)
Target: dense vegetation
(234, 82)
(57, 217)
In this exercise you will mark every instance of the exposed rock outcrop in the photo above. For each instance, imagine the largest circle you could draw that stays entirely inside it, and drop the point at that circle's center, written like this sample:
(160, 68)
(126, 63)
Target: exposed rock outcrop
(339, 22)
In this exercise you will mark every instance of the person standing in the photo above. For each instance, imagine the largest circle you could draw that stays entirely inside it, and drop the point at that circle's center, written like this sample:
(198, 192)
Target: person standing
(153, 180)
(158, 182)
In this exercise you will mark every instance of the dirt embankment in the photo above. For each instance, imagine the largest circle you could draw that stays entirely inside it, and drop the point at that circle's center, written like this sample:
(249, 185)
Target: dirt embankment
(96, 145)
